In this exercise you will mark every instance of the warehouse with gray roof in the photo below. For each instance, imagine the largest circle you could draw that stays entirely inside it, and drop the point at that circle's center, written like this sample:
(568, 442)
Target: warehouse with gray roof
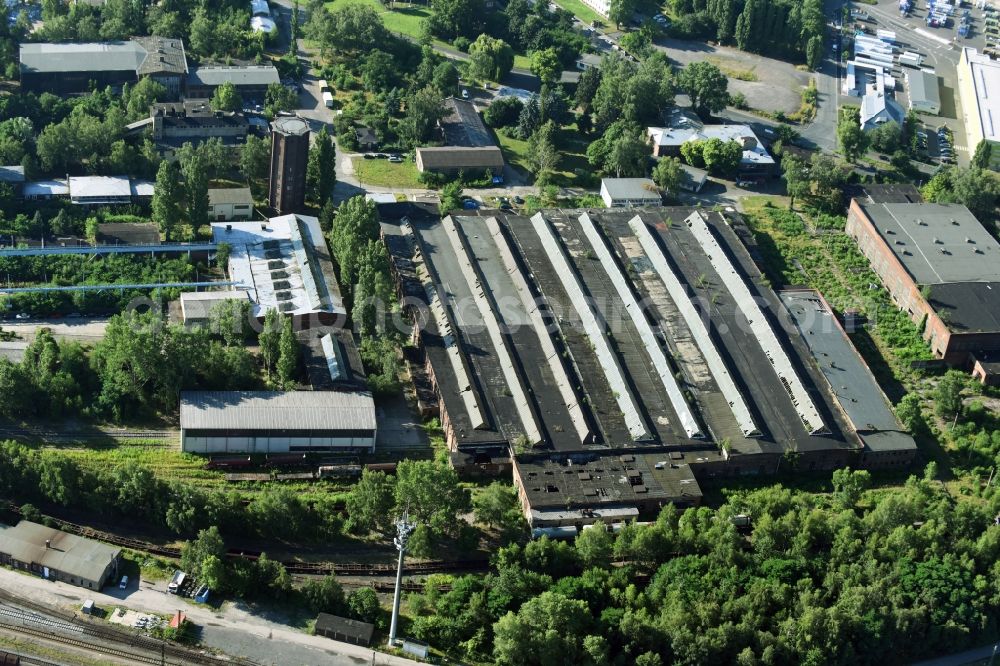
(251, 81)
(70, 68)
(277, 421)
(56, 555)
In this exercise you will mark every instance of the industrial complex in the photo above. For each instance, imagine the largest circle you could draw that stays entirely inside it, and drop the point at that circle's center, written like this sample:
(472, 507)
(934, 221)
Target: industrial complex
(574, 335)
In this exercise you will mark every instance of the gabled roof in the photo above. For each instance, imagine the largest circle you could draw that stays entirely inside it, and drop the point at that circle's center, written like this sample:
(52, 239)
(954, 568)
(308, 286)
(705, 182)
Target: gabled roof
(878, 108)
(230, 195)
(66, 553)
(250, 75)
(277, 410)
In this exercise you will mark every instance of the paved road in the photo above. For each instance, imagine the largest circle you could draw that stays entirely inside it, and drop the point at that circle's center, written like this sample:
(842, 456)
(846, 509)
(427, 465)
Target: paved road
(83, 329)
(967, 657)
(235, 629)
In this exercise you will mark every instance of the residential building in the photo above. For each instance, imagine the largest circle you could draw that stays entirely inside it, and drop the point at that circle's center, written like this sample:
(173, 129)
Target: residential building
(979, 93)
(366, 138)
(230, 204)
(289, 159)
(924, 95)
(755, 164)
(56, 555)
(250, 81)
(469, 146)
(277, 421)
(602, 7)
(630, 193)
(878, 108)
(70, 68)
(940, 265)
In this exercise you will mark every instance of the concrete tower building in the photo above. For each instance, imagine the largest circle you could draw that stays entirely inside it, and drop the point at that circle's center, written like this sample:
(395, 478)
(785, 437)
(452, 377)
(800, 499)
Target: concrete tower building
(289, 157)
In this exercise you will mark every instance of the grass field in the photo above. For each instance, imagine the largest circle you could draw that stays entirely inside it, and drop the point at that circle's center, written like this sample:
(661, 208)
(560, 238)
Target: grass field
(573, 160)
(582, 11)
(403, 18)
(383, 173)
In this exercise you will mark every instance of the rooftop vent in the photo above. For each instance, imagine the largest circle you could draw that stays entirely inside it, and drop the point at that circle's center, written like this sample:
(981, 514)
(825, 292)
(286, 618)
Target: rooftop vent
(955, 222)
(921, 222)
(937, 241)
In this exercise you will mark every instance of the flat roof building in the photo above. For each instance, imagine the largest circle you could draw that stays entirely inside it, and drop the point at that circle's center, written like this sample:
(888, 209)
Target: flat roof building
(56, 555)
(979, 93)
(581, 488)
(172, 124)
(13, 175)
(128, 233)
(74, 67)
(630, 193)
(285, 264)
(924, 95)
(197, 306)
(940, 264)
(251, 81)
(276, 421)
(91, 190)
(849, 381)
(755, 162)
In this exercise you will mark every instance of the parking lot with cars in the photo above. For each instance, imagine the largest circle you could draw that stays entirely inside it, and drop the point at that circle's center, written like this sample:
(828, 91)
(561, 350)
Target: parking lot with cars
(920, 28)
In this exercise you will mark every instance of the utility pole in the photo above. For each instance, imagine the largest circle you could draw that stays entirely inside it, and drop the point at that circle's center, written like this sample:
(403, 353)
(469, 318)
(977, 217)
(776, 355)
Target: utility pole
(403, 530)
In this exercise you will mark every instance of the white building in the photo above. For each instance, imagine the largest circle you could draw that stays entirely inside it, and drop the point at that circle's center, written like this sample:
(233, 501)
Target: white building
(285, 264)
(630, 193)
(979, 91)
(923, 90)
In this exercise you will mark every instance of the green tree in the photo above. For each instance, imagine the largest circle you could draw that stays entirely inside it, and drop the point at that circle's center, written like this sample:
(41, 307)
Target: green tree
(195, 170)
(227, 98)
(814, 52)
(255, 158)
(279, 97)
(268, 339)
(797, 183)
(167, 199)
(432, 493)
(948, 394)
(668, 175)
(203, 555)
(321, 174)
(363, 604)
(370, 502)
(456, 18)
(445, 78)
(356, 224)
(545, 65)
(548, 629)
(707, 87)
(722, 157)
(324, 595)
(853, 141)
(497, 506)
(620, 11)
(543, 157)
(451, 196)
(503, 112)
(594, 546)
(288, 354)
(230, 320)
(983, 155)
(424, 108)
(849, 485)
(490, 58)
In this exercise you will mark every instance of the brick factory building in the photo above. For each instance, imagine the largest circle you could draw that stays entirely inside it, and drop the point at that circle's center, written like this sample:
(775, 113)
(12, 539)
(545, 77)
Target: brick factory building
(940, 265)
(289, 160)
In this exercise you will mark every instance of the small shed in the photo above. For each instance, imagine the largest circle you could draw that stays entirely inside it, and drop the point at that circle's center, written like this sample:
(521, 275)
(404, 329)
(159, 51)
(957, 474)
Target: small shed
(692, 178)
(366, 138)
(630, 192)
(344, 629)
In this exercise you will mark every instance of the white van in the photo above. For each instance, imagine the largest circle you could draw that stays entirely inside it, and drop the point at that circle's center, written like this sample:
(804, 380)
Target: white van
(124, 583)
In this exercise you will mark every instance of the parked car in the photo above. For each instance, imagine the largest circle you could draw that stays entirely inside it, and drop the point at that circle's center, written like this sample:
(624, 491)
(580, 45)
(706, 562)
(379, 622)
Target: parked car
(465, 93)
(369, 156)
(470, 204)
(395, 159)
(124, 583)
(23, 315)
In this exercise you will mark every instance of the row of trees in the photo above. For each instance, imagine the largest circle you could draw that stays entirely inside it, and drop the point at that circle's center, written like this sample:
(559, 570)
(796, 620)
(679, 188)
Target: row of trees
(181, 195)
(219, 28)
(854, 577)
(205, 558)
(790, 29)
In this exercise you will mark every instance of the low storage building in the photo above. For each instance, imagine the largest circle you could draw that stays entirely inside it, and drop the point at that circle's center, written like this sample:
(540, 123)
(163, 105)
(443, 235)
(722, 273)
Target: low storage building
(630, 193)
(226, 205)
(924, 94)
(251, 81)
(344, 629)
(277, 422)
(469, 146)
(56, 555)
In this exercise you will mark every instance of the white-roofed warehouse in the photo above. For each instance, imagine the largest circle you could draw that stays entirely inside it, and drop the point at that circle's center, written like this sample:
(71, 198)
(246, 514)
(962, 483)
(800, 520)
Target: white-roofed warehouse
(277, 421)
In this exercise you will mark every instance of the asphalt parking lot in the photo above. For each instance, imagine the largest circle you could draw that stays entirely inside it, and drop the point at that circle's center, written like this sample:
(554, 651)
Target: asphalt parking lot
(941, 49)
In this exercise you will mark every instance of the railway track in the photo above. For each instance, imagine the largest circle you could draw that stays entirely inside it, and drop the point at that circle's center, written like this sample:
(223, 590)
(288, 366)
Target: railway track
(93, 646)
(292, 566)
(57, 436)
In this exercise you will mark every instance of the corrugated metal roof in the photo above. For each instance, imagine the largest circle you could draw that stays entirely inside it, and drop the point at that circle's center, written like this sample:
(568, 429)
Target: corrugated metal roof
(277, 410)
(69, 554)
(230, 195)
(251, 75)
(457, 157)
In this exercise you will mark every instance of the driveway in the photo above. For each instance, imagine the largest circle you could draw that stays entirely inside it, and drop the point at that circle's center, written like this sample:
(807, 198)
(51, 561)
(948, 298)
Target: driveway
(82, 329)
(234, 629)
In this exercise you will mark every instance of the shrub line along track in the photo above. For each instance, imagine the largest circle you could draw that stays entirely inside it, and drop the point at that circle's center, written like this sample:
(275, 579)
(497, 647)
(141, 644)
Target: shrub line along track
(292, 566)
